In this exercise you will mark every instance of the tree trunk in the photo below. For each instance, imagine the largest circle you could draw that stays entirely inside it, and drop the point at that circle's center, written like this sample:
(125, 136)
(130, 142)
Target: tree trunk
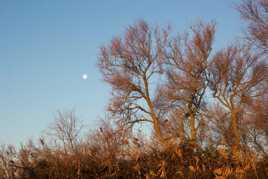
(181, 131)
(156, 124)
(235, 135)
(192, 128)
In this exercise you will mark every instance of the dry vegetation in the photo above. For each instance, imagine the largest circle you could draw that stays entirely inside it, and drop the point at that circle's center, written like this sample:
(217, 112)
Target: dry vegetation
(208, 110)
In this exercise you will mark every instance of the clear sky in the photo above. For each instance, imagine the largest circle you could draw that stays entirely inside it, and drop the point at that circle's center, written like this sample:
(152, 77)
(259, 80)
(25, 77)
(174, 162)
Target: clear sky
(47, 45)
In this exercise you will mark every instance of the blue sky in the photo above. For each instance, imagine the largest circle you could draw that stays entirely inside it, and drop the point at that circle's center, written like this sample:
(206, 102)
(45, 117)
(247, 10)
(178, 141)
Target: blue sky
(46, 46)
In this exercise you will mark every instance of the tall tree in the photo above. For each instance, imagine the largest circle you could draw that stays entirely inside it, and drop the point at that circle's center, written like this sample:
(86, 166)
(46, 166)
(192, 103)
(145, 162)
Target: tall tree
(130, 65)
(187, 74)
(255, 13)
(237, 80)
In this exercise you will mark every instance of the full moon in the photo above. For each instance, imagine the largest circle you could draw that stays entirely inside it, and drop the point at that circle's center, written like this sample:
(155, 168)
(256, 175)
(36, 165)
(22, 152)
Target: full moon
(84, 76)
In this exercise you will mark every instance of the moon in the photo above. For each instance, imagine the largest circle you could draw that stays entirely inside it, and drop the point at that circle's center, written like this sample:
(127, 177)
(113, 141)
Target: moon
(84, 76)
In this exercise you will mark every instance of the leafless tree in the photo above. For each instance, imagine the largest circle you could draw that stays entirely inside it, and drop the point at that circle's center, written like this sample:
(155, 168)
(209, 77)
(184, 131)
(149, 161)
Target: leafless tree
(131, 65)
(255, 13)
(188, 59)
(66, 129)
(237, 79)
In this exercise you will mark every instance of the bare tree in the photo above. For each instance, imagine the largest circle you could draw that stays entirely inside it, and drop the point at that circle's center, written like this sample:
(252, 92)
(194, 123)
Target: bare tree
(187, 73)
(66, 128)
(237, 80)
(130, 65)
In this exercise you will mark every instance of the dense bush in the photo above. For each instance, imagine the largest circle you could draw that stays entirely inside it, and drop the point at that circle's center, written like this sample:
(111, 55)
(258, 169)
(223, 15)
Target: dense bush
(182, 161)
